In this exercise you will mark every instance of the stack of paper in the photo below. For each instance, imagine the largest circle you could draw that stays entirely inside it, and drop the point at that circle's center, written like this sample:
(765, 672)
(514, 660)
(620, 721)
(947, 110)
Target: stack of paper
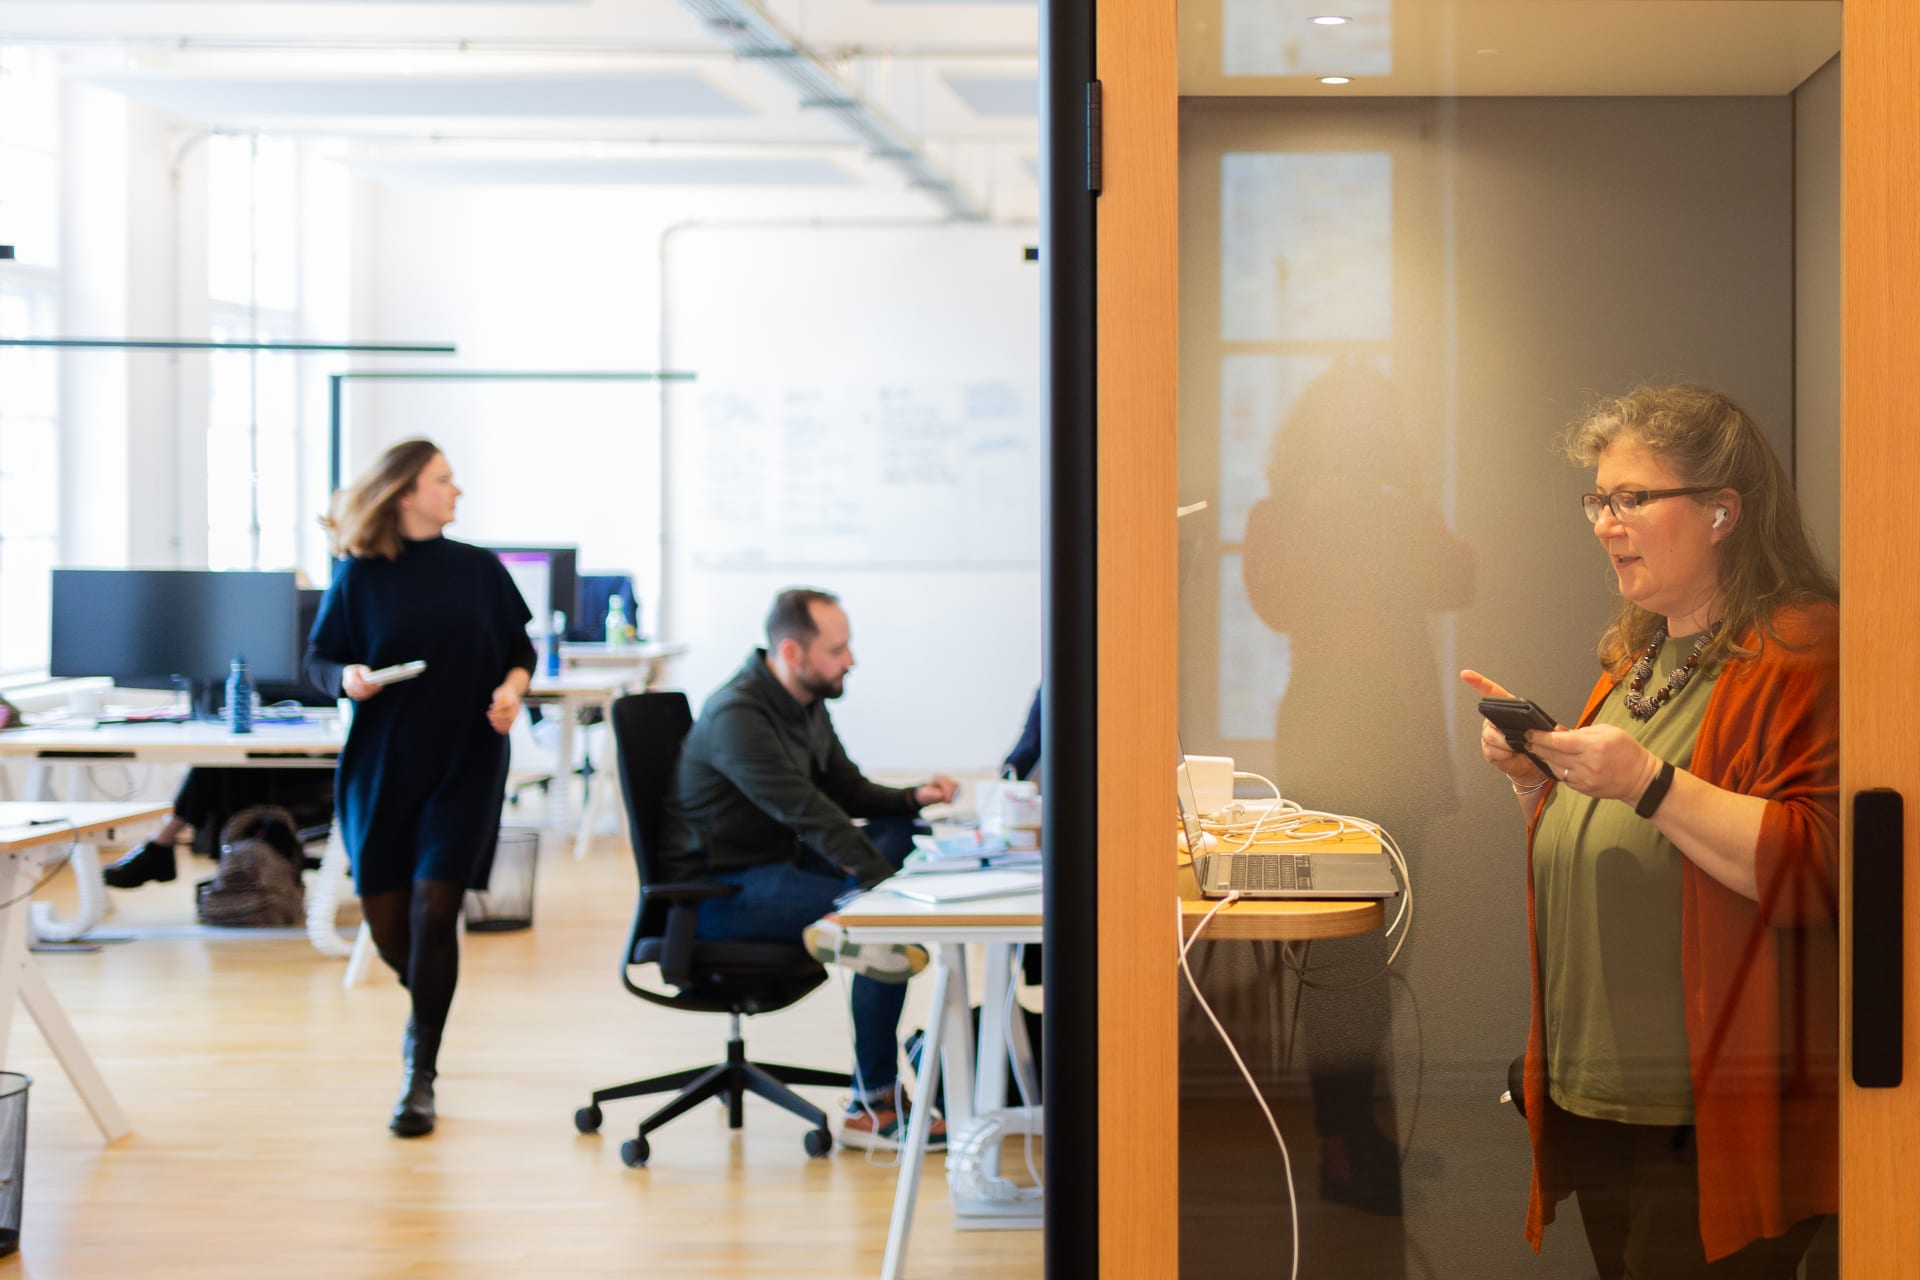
(967, 851)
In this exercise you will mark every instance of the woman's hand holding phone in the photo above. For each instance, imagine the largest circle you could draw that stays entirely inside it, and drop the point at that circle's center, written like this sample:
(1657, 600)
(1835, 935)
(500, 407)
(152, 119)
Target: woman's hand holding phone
(1521, 769)
(354, 683)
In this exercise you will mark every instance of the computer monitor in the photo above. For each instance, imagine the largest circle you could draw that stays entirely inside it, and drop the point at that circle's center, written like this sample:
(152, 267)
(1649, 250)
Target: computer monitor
(297, 689)
(157, 628)
(592, 595)
(547, 578)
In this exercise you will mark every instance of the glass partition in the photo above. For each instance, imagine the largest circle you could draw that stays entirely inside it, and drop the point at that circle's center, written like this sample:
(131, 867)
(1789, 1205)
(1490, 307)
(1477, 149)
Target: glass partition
(1417, 250)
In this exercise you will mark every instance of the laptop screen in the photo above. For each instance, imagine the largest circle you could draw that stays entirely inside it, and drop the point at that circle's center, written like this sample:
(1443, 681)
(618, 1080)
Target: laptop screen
(1183, 798)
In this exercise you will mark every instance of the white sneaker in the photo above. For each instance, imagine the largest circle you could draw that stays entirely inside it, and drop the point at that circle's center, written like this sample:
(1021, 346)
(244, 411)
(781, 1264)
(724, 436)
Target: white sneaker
(891, 962)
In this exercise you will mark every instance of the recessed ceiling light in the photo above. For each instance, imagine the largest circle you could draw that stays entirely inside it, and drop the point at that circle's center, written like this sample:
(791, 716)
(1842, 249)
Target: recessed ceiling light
(1336, 79)
(1331, 20)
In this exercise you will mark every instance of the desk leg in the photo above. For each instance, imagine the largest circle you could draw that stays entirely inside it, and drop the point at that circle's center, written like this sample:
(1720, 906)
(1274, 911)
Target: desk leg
(89, 909)
(16, 930)
(20, 977)
(562, 789)
(597, 781)
(73, 1056)
(990, 1080)
(949, 962)
(323, 899)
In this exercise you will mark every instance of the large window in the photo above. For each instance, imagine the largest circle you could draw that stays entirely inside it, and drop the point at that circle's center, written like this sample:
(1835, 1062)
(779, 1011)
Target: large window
(29, 378)
(253, 416)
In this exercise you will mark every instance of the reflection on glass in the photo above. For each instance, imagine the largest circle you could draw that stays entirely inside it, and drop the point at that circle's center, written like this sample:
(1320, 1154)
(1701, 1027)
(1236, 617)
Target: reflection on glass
(1391, 310)
(1255, 664)
(1306, 246)
(1279, 38)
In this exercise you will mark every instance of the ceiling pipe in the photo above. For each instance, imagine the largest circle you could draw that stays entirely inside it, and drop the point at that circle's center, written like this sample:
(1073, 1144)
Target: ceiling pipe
(612, 46)
(751, 34)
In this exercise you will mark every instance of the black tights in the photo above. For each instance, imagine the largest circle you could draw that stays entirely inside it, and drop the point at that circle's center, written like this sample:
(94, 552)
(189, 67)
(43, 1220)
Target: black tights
(416, 931)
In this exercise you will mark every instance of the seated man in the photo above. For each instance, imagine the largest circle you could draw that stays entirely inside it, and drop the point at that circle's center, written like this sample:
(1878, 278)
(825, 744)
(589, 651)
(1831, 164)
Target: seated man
(765, 798)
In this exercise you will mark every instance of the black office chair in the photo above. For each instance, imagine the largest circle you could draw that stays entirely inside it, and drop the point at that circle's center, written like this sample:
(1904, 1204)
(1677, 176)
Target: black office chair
(734, 978)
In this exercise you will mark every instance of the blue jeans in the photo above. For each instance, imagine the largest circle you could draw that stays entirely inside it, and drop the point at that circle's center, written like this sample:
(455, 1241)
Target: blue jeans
(774, 904)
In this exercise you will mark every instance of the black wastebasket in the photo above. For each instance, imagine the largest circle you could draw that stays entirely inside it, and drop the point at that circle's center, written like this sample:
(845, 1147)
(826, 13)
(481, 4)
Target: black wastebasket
(507, 901)
(13, 1155)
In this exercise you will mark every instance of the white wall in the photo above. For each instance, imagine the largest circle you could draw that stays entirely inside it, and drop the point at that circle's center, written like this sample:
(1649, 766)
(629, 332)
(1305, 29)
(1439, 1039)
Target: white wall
(946, 618)
(569, 279)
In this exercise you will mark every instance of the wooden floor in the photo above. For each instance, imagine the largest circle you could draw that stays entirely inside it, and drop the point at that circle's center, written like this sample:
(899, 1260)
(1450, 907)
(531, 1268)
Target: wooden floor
(259, 1091)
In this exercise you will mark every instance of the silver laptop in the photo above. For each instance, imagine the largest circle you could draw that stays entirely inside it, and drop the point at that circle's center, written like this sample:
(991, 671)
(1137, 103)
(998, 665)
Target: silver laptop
(1262, 874)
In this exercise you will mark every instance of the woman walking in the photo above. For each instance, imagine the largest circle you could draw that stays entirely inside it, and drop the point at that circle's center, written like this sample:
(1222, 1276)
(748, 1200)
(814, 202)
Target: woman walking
(424, 768)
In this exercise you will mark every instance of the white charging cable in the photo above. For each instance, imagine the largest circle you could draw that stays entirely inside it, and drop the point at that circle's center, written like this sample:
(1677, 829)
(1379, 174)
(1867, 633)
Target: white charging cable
(1179, 923)
(1288, 822)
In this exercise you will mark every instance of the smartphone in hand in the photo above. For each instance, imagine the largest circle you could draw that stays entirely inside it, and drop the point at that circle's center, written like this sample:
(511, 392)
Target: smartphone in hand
(396, 673)
(1513, 717)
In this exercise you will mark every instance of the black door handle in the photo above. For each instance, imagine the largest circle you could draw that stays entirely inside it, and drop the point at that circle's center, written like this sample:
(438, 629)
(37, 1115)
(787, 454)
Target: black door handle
(1879, 938)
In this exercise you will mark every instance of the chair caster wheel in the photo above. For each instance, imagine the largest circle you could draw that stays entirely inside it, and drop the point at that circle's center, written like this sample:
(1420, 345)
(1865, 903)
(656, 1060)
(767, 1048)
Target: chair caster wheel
(587, 1119)
(634, 1153)
(819, 1142)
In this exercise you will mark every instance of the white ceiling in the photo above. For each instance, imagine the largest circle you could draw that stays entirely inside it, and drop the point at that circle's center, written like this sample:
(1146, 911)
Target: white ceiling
(1502, 48)
(543, 83)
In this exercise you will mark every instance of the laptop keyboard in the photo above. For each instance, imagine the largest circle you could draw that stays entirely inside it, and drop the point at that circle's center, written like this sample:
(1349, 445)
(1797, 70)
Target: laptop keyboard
(1267, 871)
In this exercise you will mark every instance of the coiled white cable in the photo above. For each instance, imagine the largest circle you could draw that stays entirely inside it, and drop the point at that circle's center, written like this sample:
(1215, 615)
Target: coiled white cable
(1286, 821)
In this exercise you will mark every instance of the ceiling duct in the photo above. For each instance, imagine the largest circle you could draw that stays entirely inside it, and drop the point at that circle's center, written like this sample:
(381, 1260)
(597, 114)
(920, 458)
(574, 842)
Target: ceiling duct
(750, 33)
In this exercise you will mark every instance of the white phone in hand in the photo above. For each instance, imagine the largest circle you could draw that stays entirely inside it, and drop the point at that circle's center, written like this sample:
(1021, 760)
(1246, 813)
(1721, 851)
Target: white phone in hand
(395, 674)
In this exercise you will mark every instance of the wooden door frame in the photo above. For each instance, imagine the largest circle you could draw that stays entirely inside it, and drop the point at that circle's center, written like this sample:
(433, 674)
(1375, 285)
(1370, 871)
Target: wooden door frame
(1879, 465)
(1137, 589)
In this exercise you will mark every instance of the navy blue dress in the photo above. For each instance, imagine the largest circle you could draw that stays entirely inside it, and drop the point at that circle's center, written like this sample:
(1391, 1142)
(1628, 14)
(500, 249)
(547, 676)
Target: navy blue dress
(422, 775)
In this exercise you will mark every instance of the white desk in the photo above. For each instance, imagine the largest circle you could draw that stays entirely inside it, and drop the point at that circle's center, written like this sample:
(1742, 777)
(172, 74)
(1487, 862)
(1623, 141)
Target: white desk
(24, 850)
(975, 1098)
(654, 656)
(310, 744)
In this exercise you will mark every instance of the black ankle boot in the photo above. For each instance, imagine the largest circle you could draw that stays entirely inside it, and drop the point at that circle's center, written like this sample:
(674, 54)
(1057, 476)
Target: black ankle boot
(413, 1113)
(149, 862)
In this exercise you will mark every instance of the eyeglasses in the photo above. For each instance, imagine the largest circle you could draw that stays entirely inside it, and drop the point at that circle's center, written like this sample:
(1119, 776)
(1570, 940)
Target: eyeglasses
(1626, 503)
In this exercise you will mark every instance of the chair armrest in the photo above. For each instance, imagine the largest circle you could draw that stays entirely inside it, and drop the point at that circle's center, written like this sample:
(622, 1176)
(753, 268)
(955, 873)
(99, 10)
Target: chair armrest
(684, 899)
(690, 891)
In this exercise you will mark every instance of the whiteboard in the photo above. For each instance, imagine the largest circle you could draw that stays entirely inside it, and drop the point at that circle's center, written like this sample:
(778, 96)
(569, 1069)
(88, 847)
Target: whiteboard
(881, 473)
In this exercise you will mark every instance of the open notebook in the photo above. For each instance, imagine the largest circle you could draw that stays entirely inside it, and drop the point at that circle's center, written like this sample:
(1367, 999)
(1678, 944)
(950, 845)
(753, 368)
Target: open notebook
(963, 886)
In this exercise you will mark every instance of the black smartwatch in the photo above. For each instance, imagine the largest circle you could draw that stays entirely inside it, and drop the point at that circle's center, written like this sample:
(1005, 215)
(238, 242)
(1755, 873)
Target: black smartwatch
(1656, 790)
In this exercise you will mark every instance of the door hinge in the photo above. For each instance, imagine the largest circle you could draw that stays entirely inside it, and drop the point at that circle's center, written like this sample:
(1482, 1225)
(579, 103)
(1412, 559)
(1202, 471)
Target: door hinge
(1095, 136)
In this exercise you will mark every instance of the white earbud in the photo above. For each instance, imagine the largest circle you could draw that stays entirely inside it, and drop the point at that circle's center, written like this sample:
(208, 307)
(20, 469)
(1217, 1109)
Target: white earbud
(1719, 517)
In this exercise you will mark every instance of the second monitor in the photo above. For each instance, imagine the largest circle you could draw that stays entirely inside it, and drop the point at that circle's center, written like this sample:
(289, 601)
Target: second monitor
(153, 628)
(547, 577)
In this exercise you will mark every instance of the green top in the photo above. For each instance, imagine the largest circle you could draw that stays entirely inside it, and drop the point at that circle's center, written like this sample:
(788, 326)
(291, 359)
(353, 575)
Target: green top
(1606, 889)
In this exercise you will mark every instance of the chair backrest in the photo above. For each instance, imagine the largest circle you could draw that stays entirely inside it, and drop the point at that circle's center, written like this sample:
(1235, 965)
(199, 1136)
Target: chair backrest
(649, 728)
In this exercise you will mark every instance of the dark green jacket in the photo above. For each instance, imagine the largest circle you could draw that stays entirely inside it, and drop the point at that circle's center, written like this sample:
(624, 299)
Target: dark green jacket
(761, 778)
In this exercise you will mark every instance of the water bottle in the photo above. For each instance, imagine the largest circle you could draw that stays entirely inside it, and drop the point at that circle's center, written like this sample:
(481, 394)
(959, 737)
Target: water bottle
(616, 622)
(239, 697)
(554, 636)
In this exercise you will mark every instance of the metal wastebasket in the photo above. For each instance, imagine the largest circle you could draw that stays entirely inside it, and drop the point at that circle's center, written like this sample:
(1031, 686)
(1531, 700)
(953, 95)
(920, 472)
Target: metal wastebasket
(507, 901)
(13, 1155)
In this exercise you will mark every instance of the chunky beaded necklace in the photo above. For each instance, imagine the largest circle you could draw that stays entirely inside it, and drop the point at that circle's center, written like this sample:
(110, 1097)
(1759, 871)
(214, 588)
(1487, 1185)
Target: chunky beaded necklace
(1643, 708)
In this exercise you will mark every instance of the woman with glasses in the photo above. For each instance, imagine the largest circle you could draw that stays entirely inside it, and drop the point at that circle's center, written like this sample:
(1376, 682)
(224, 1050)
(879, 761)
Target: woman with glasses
(1681, 1072)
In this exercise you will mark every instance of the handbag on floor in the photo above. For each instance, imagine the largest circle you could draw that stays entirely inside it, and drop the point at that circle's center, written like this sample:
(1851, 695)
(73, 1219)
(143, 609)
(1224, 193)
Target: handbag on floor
(258, 884)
